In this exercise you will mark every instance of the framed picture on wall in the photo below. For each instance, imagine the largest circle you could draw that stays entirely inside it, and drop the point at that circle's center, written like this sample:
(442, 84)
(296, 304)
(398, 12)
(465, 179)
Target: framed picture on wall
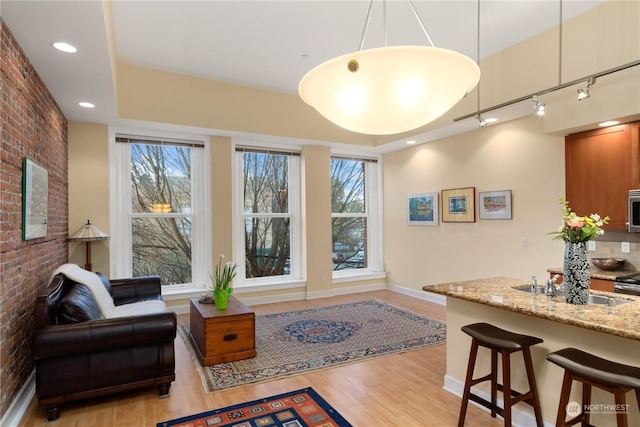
(422, 209)
(458, 205)
(495, 204)
(35, 196)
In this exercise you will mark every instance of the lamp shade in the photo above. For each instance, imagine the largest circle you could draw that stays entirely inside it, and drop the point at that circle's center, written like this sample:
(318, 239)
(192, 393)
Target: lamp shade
(389, 90)
(88, 233)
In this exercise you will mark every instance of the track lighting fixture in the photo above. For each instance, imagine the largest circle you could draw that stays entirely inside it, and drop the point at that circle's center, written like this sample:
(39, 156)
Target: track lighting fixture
(481, 121)
(583, 93)
(538, 105)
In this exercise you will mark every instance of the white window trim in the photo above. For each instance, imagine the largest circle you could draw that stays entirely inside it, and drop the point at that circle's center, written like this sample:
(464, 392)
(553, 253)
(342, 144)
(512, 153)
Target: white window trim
(120, 219)
(375, 266)
(294, 279)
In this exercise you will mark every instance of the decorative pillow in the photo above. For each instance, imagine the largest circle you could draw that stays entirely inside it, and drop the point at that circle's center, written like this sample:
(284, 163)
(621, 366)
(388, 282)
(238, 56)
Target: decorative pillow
(78, 305)
(92, 282)
(105, 282)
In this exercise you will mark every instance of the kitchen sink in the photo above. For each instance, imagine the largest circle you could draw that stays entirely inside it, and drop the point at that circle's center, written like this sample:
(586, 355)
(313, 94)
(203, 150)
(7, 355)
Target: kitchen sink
(593, 299)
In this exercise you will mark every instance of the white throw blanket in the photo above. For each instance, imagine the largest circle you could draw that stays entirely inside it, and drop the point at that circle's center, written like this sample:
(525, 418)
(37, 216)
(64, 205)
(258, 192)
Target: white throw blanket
(91, 281)
(102, 297)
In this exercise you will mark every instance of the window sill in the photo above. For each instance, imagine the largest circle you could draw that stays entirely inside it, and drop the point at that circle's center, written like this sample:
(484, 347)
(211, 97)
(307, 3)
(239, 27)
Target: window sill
(269, 285)
(183, 293)
(358, 275)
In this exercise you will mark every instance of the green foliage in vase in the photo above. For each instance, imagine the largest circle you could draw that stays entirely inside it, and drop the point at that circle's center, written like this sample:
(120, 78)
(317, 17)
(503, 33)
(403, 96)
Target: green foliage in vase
(576, 229)
(223, 275)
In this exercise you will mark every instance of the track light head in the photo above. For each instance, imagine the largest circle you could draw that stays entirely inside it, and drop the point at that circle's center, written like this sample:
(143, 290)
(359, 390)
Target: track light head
(538, 105)
(583, 94)
(481, 121)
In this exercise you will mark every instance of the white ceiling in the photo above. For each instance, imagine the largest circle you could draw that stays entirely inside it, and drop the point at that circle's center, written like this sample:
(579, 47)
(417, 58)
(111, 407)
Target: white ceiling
(265, 44)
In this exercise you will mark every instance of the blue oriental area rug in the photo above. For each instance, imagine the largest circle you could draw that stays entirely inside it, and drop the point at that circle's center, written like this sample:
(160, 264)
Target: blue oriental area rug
(306, 340)
(294, 409)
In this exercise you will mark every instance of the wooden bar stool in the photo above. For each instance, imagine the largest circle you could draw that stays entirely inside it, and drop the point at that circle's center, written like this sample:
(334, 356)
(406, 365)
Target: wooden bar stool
(504, 342)
(591, 370)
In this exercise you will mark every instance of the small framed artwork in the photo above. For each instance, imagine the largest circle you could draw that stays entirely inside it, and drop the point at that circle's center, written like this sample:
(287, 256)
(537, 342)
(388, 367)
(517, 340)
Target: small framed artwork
(495, 204)
(35, 195)
(422, 209)
(458, 205)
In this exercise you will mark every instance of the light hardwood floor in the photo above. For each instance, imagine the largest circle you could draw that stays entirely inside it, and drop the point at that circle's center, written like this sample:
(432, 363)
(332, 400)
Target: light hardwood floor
(396, 390)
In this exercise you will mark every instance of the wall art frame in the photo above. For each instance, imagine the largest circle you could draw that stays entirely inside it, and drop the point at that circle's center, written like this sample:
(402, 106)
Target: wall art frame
(495, 204)
(422, 209)
(35, 200)
(459, 205)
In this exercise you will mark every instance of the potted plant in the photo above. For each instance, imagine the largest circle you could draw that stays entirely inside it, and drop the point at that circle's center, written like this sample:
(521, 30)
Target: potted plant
(222, 278)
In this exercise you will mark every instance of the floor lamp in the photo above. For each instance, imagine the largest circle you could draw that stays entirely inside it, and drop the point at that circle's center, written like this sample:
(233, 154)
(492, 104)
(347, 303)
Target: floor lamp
(88, 233)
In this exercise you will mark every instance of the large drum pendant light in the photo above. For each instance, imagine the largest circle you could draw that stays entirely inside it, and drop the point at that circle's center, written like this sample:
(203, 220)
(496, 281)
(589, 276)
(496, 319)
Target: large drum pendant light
(389, 90)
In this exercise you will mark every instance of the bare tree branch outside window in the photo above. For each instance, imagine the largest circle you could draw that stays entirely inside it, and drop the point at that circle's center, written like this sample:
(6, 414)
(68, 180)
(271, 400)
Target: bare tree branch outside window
(266, 213)
(349, 215)
(161, 190)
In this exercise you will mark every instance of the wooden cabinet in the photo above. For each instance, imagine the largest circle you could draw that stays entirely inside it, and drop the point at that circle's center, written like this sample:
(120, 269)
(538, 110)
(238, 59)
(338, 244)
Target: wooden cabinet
(635, 156)
(601, 166)
(596, 284)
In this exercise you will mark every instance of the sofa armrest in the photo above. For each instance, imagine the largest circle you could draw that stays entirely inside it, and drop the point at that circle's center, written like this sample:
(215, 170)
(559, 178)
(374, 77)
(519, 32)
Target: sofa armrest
(135, 289)
(104, 335)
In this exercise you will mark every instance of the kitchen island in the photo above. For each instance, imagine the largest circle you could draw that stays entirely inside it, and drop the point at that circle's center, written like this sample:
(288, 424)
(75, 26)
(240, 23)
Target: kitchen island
(609, 332)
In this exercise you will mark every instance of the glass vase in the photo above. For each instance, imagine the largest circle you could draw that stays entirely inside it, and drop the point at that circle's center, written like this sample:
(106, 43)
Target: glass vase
(577, 274)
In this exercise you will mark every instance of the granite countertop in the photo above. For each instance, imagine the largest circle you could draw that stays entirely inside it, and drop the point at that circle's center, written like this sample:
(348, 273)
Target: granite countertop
(499, 292)
(596, 273)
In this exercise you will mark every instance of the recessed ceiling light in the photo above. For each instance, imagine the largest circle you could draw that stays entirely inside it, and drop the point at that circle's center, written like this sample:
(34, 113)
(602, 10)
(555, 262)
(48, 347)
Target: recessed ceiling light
(86, 104)
(64, 47)
(411, 142)
(608, 123)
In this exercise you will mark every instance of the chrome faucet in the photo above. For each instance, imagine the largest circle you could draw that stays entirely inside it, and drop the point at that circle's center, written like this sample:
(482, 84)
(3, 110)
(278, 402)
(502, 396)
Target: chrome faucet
(550, 288)
(534, 286)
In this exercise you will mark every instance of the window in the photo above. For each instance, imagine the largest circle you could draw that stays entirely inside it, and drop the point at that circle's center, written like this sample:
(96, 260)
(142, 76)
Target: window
(161, 209)
(354, 219)
(268, 188)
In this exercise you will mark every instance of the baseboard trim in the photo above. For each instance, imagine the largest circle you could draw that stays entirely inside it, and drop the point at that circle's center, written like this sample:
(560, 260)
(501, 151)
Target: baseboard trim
(427, 296)
(301, 295)
(20, 404)
(521, 416)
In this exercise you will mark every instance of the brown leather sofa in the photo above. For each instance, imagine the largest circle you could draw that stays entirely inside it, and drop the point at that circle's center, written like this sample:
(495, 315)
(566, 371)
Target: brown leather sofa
(79, 354)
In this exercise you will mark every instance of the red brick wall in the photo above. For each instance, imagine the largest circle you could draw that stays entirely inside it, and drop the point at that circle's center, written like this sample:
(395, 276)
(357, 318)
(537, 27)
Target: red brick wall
(32, 125)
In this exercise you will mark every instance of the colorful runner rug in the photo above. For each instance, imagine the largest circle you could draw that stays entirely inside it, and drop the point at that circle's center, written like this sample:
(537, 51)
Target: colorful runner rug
(294, 409)
(306, 340)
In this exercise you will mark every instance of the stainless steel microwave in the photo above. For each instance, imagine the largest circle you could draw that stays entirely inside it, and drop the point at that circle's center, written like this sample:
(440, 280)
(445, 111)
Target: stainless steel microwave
(634, 211)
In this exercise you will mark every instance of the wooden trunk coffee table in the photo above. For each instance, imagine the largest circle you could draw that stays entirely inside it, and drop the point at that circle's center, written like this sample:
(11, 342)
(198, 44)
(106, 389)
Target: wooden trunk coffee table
(220, 336)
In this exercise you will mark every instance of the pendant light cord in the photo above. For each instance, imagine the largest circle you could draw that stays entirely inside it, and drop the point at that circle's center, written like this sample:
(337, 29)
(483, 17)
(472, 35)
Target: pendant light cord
(366, 25)
(426, 33)
(560, 45)
(478, 53)
(384, 23)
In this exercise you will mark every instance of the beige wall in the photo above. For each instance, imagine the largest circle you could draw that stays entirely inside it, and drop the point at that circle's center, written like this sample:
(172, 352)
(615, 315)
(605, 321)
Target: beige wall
(221, 198)
(194, 101)
(89, 190)
(513, 156)
(316, 218)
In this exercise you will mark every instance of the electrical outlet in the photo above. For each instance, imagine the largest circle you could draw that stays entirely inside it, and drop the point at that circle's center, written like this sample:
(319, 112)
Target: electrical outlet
(591, 245)
(523, 242)
(624, 247)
